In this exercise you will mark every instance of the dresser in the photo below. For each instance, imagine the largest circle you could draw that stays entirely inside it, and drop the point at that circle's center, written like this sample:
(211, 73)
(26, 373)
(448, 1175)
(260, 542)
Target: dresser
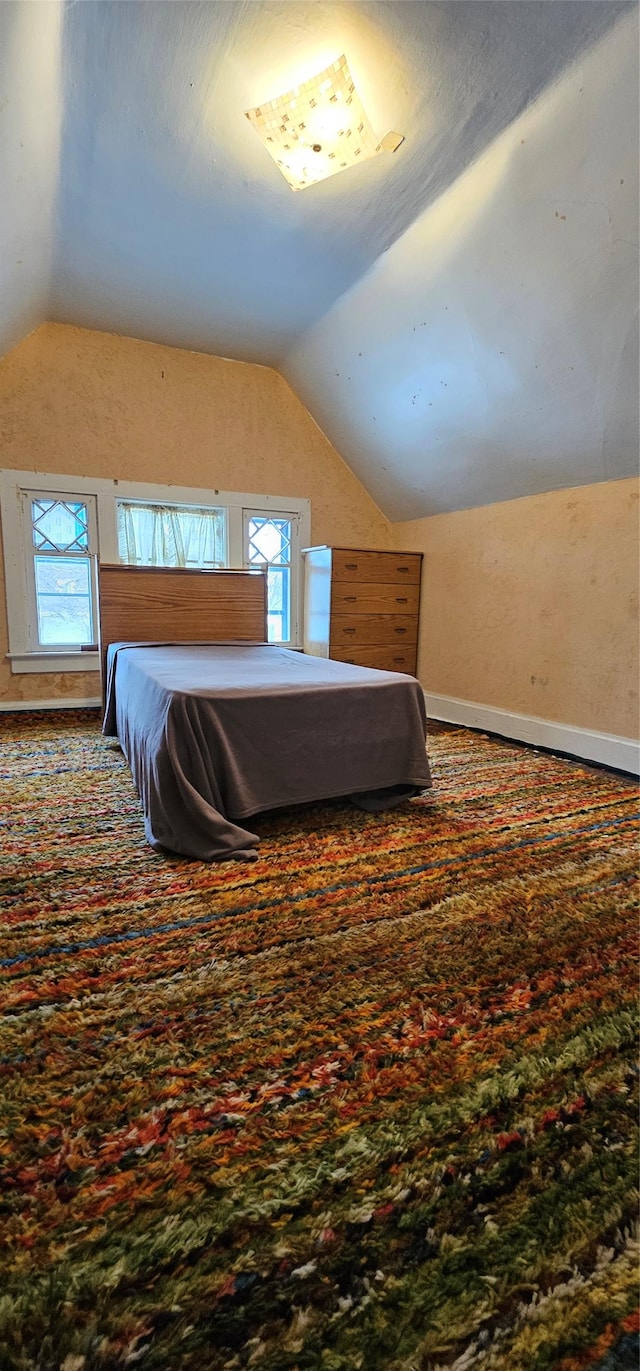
(362, 606)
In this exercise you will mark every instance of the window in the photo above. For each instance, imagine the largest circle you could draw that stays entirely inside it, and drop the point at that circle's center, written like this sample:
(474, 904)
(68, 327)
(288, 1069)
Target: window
(170, 535)
(269, 541)
(55, 528)
(61, 538)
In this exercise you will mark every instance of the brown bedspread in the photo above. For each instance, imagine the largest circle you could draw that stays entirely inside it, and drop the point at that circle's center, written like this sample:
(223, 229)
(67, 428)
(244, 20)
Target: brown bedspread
(214, 734)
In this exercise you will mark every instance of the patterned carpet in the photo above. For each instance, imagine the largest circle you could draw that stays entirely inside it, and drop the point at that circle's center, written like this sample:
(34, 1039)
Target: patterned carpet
(367, 1102)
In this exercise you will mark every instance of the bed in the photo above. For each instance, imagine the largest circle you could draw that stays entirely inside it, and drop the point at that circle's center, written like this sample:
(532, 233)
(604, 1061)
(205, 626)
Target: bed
(218, 725)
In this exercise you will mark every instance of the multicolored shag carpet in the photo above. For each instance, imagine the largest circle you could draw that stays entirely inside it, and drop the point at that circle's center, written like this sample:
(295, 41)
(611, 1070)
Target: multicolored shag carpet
(365, 1103)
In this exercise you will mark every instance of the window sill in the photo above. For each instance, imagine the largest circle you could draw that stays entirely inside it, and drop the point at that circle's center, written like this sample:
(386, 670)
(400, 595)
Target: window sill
(24, 662)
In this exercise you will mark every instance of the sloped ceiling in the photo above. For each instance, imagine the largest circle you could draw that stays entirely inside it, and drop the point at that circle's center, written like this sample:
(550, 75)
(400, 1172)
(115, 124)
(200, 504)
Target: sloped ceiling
(140, 201)
(493, 351)
(30, 128)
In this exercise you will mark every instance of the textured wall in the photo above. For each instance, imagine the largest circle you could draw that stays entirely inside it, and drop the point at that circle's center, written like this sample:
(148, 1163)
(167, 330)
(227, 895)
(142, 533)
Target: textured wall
(532, 605)
(74, 401)
(529, 605)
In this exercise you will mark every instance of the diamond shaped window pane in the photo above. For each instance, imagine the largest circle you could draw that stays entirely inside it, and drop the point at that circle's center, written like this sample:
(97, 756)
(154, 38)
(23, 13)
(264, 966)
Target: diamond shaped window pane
(269, 541)
(60, 526)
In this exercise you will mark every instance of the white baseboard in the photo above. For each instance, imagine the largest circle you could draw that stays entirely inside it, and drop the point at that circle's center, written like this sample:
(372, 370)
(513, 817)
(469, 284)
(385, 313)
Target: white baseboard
(606, 748)
(62, 703)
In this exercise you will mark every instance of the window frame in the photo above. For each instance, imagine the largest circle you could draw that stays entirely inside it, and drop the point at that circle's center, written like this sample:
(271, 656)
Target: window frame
(295, 606)
(15, 484)
(32, 552)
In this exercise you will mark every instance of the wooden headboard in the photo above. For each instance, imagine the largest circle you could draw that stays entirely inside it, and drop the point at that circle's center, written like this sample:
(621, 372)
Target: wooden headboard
(168, 604)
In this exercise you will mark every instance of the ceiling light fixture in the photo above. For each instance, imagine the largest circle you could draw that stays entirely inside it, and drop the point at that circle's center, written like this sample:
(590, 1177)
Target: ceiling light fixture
(318, 128)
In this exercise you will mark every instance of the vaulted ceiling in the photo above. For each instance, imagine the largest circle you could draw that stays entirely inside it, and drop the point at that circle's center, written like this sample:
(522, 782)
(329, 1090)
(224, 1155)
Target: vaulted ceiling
(459, 316)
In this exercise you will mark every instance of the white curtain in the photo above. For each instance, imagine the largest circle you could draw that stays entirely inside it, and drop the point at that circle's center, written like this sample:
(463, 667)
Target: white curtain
(170, 535)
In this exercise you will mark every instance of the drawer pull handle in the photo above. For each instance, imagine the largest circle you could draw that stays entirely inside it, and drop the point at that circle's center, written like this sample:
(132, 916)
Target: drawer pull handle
(401, 599)
(399, 630)
(352, 630)
(399, 659)
(351, 566)
(350, 599)
(402, 568)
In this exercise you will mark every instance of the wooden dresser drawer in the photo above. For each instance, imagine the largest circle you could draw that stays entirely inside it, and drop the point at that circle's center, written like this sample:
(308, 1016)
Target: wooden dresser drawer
(376, 566)
(381, 629)
(374, 598)
(362, 605)
(383, 658)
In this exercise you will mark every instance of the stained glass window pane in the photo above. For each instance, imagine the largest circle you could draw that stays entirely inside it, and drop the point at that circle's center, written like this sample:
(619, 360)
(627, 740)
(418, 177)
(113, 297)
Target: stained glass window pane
(60, 525)
(269, 541)
(64, 601)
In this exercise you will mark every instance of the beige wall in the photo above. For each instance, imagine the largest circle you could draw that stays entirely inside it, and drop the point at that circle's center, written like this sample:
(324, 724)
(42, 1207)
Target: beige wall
(532, 605)
(529, 605)
(92, 404)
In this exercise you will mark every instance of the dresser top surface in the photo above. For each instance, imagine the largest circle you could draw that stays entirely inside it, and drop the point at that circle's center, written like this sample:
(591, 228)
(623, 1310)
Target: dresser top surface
(342, 547)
